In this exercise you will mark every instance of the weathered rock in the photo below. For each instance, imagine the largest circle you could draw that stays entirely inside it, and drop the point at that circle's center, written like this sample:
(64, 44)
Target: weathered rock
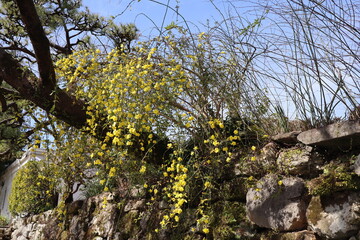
(102, 217)
(127, 226)
(278, 205)
(357, 165)
(137, 192)
(299, 161)
(302, 235)
(74, 207)
(22, 232)
(289, 138)
(269, 153)
(163, 205)
(76, 227)
(134, 205)
(341, 136)
(336, 216)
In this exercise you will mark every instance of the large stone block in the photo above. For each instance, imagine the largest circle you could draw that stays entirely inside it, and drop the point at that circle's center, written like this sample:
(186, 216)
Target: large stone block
(302, 235)
(299, 161)
(289, 138)
(278, 204)
(341, 135)
(357, 165)
(336, 216)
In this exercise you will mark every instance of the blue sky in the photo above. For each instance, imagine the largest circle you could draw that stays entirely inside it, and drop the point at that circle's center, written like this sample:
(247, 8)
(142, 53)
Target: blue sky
(146, 13)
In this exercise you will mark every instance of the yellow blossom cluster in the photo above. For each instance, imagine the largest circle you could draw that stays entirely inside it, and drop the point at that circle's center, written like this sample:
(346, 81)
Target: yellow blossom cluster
(131, 93)
(176, 172)
(135, 99)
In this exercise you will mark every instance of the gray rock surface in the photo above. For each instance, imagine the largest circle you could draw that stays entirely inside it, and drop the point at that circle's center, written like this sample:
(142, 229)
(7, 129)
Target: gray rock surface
(301, 235)
(289, 138)
(299, 161)
(357, 165)
(336, 216)
(278, 205)
(341, 135)
(30, 228)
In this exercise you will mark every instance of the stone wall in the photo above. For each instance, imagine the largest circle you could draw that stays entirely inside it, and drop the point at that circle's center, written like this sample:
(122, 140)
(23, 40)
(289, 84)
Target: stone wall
(307, 187)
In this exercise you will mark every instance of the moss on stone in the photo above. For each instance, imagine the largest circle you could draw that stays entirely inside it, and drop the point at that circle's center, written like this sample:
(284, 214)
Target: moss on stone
(128, 224)
(226, 218)
(335, 178)
(314, 210)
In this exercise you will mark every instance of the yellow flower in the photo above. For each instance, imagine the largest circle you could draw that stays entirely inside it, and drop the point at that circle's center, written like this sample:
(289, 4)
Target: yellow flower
(207, 184)
(253, 148)
(142, 169)
(146, 89)
(97, 162)
(280, 183)
(112, 172)
(147, 108)
(206, 230)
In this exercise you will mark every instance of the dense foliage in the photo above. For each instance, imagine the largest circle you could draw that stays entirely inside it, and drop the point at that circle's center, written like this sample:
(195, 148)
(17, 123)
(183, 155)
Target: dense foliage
(34, 189)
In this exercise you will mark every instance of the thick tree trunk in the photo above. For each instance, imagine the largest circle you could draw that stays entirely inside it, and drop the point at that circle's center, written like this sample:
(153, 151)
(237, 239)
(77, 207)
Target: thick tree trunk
(54, 100)
(42, 90)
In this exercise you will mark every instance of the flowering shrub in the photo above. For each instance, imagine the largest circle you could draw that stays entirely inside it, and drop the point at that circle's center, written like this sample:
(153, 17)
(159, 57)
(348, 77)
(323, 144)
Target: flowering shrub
(34, 189)
(160, 117)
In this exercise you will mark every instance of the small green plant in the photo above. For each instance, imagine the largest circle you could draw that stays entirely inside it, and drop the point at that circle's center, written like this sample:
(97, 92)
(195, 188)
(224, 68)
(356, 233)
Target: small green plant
(335, 178)
(4, 221)
(33, 189)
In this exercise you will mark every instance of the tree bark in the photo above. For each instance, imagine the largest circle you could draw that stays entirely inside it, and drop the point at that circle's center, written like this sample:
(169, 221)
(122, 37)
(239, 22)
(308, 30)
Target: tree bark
(39, 41)
(42, 90)
(53, 100)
